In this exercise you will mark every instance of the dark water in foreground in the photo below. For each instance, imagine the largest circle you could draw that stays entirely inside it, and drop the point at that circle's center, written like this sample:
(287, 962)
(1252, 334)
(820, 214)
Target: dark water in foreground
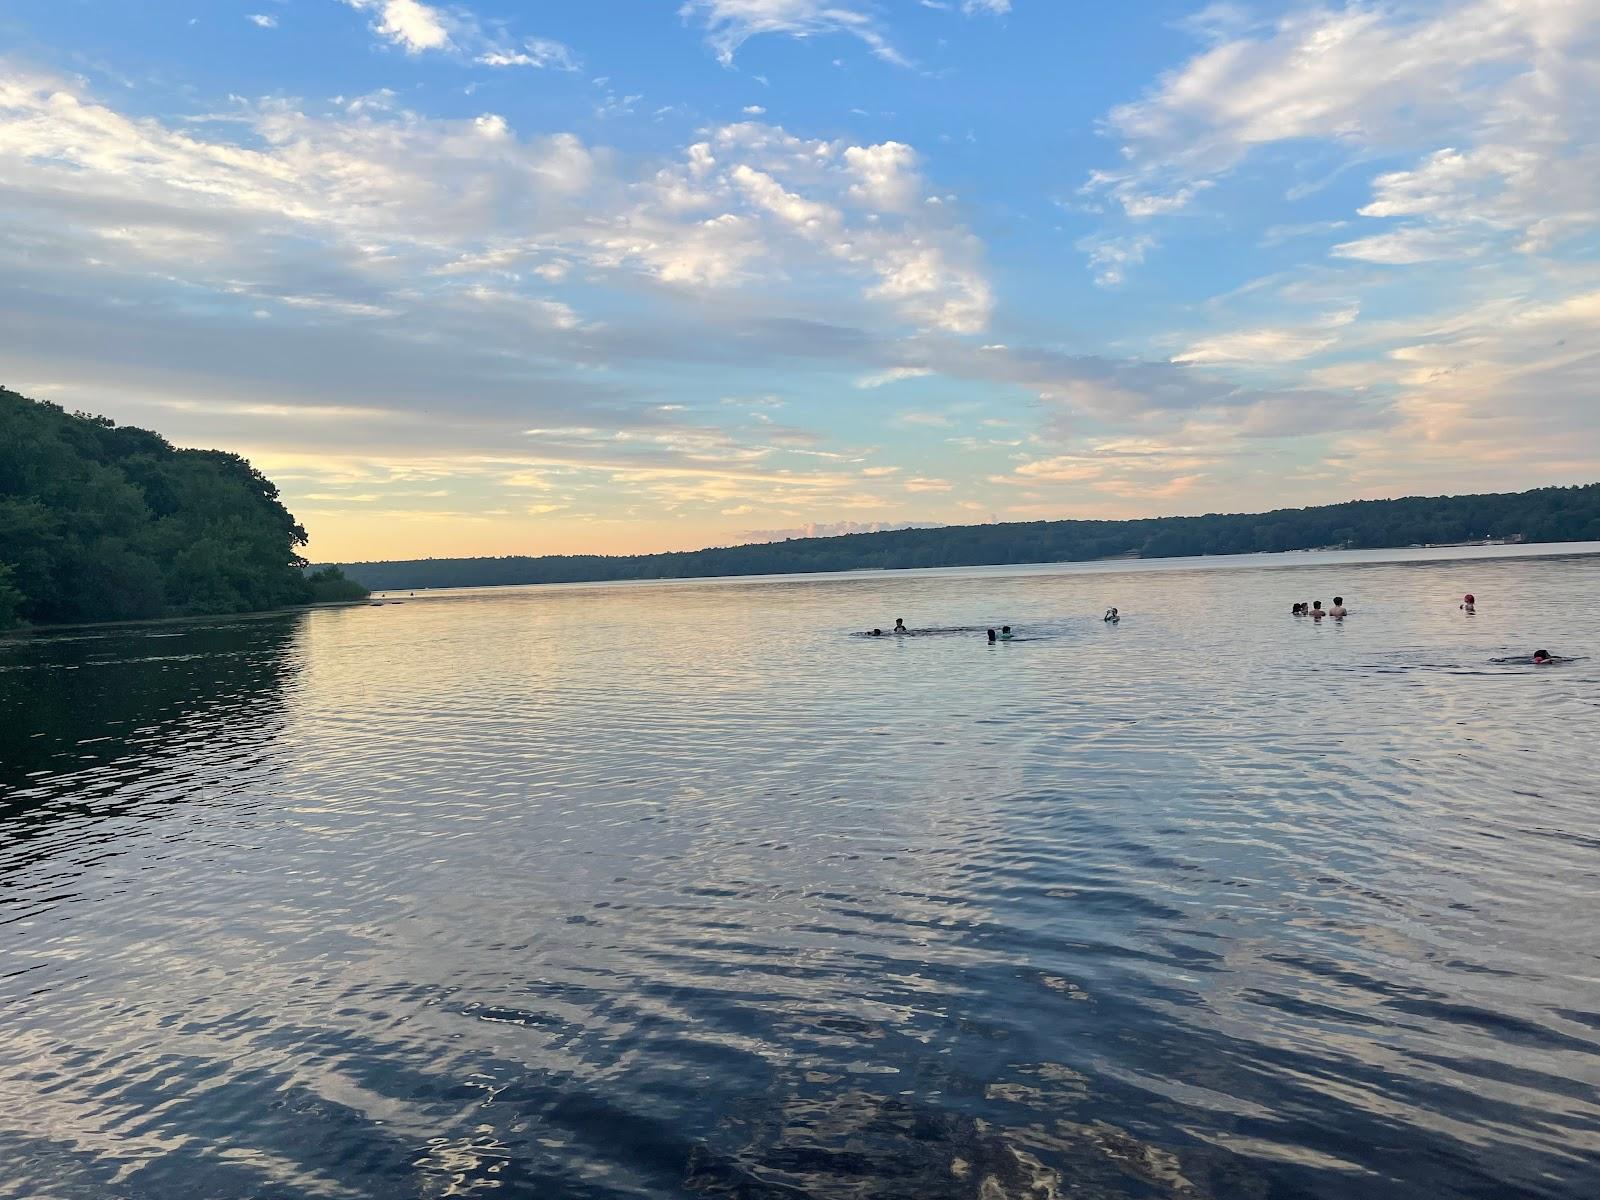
(678, 890)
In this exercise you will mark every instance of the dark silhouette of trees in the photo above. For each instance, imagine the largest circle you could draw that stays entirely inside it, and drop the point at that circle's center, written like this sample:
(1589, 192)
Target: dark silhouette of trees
(330, 584)
(1543, 515)
(100, 523)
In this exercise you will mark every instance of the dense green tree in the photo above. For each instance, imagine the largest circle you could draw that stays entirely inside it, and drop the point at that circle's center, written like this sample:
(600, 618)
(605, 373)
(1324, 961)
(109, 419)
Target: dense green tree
(100, 522)
(330, 584)
(10, 598)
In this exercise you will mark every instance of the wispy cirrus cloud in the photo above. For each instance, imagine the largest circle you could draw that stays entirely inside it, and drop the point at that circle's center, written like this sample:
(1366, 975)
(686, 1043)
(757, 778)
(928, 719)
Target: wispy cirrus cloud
(532, 52)
(729, 24)
(1504, 81)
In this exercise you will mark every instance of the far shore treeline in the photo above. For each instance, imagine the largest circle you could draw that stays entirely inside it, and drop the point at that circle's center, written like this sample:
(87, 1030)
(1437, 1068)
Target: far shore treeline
(1544, 515)
(100, 522)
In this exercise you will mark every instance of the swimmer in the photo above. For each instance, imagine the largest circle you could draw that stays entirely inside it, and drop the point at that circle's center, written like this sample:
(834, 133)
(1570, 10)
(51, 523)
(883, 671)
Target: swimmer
(1316, 612)
(875, 633)
(1469, 603)
(991, 637)
(900, 626)
(1005, 633)
(1299, 610)
(1112, 616)
(1542, 658)
(1338, 609)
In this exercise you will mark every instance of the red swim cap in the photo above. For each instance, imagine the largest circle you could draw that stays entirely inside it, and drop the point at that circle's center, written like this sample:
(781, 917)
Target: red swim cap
(1468, 598)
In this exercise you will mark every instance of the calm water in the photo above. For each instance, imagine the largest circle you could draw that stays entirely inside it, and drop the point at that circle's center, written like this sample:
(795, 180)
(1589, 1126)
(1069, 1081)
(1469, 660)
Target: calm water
(682, 890)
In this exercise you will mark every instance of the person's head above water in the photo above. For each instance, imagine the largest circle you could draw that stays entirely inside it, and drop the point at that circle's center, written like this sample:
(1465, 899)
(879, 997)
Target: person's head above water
(1316, 604)
(1469, 598)
(991, 635)
(1541, 656)
(876, 633)
(1005, 629)
(899, 624)
(1338, 600)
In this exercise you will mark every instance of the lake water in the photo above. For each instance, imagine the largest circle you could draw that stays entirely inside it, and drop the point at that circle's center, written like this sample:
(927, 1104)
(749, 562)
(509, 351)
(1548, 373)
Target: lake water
(681, 889)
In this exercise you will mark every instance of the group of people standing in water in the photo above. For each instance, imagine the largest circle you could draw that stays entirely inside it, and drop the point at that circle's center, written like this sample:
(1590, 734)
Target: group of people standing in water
(1316, 612)
(1469, 605)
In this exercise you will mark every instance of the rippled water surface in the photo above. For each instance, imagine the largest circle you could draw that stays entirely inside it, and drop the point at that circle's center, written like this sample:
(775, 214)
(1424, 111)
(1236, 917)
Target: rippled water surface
(684, 890)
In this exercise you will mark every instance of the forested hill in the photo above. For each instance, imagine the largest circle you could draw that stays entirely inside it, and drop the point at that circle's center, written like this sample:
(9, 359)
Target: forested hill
(1543, 515)
(104, 523)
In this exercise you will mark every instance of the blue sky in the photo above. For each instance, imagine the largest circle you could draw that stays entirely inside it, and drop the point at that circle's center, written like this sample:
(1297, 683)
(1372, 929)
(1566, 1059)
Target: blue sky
(516, 278)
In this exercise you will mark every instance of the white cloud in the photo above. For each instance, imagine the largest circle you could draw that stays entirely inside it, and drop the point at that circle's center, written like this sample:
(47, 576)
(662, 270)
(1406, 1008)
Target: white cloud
(1406, 245)
(1110, 257)
(535, 52)
(994, 8)
(264, 20)
(731, 23)
(886, 174)
(925, 267)
(417, 27)
(1276, 235)
(388, 185)
(1509, 83)
(807, 216)
(426, 261)
(926, 283)
(1483, 231)
(409, 24)
(1498, 395)
(1360, 73)
(1273, 344)
(893, 375)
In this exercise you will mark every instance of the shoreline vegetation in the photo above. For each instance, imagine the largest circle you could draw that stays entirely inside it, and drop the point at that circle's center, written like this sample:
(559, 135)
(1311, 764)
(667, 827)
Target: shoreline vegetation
(1553, 514)
(103, 523)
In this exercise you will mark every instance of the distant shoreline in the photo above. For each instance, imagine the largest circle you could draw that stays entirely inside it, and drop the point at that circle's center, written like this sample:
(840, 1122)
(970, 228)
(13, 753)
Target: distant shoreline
(1271, 560)
(1540, 515)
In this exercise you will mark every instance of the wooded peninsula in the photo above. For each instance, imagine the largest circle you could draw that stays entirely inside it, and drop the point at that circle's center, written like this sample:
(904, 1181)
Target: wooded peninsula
(100, 522)
(1556, 514)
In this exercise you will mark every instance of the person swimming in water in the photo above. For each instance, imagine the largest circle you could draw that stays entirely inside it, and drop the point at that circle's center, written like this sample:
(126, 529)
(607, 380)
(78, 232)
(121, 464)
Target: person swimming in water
(1316, 612)
(1299, 610)
(992, 638)
(1469, 603)
(1112, 616)
(1005, 633)
(875, 633)
(1543, 658)
(1338, 609)
(900, 626)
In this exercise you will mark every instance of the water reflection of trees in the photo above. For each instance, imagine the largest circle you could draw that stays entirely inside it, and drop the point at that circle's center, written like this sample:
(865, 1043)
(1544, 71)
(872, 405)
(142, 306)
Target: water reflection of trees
(105, 723)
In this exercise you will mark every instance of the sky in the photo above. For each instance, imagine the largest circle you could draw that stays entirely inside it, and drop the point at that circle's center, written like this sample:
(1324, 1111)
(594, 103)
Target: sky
(518, 277)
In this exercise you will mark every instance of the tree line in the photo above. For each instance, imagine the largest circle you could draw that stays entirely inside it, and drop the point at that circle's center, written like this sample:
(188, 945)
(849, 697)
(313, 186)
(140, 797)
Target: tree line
(1556, 514)
(101, 522)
